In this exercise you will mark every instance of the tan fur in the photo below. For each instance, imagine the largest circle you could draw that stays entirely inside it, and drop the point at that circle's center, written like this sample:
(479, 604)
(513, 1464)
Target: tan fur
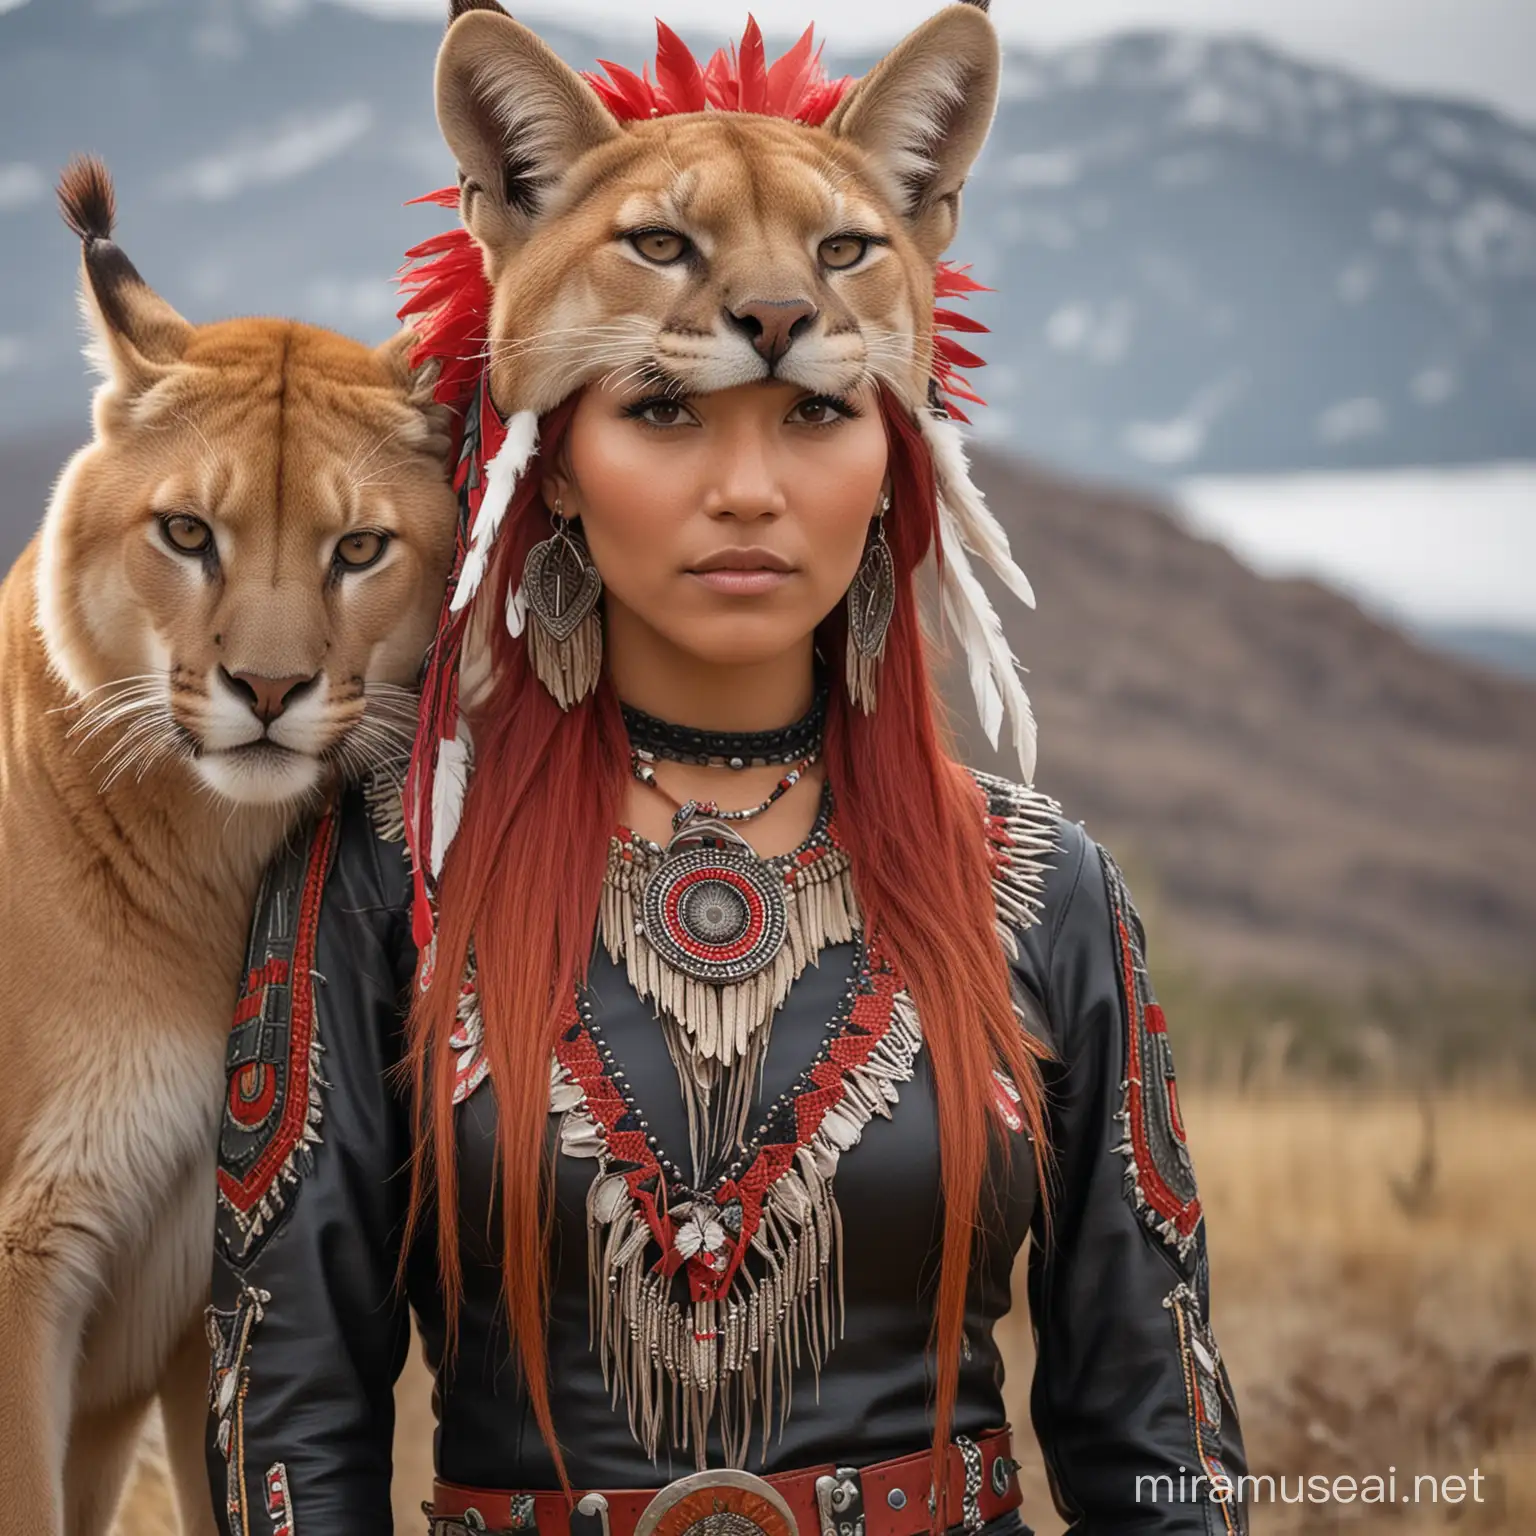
(131, 841)
(552, 183)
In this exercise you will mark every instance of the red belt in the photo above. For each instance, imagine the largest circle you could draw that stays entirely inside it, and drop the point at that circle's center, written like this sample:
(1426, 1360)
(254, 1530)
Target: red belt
(823, 1501)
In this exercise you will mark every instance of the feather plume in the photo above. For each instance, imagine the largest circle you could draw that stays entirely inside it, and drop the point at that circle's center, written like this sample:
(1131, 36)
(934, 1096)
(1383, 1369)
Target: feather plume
(501, 477)
(977, 527)
(789, 74)
(450, 781)
(990, 663)
(678, 73)
(753, 69)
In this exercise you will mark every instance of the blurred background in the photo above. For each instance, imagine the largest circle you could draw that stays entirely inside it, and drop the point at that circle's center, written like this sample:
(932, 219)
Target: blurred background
(1262, 426)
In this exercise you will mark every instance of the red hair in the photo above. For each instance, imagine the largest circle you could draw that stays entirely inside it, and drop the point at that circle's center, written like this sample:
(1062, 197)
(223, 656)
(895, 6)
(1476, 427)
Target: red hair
(548, 791)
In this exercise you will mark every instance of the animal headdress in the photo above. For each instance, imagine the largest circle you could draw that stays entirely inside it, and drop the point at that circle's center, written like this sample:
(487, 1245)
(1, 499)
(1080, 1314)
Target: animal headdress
(537, 295)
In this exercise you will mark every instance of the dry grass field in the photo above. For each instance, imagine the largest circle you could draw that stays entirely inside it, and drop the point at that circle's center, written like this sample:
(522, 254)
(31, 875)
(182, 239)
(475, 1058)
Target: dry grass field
(1374, 1292)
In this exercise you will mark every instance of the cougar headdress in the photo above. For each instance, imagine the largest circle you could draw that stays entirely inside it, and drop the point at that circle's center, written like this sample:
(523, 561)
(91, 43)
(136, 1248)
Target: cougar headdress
(692, 228)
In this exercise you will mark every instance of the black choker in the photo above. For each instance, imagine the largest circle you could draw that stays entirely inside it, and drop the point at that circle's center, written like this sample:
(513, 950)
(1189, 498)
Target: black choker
(660, 740)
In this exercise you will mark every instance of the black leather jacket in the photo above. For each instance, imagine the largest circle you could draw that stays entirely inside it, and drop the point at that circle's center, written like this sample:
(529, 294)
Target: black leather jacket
(1130, 1401)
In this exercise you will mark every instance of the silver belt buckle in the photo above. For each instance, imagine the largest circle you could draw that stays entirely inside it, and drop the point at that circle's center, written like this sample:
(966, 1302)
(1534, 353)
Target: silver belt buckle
(718, 1504)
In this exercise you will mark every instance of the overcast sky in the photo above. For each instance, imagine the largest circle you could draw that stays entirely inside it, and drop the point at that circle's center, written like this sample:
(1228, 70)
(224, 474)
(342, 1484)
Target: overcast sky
(1480, 48)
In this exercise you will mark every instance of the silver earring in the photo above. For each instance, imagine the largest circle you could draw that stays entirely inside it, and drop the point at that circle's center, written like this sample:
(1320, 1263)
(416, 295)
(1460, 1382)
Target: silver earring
(871, 604)
(561, 587)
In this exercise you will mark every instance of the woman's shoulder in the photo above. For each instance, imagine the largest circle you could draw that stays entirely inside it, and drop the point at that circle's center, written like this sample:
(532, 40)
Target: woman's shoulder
(1037, 852)
(1050, 877)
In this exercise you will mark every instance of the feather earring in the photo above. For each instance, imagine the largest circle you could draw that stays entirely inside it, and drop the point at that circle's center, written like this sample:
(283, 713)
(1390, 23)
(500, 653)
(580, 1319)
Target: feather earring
(559, 595)
(871, 605)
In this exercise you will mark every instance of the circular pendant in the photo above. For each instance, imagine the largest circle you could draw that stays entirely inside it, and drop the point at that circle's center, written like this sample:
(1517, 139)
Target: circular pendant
(714, 914)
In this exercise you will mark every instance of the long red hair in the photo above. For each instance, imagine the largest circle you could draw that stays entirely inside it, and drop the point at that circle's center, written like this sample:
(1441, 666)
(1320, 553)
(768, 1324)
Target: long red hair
(547, 792)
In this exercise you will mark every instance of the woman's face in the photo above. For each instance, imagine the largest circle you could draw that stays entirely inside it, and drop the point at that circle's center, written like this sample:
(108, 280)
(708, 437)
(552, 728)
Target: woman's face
(728, 524)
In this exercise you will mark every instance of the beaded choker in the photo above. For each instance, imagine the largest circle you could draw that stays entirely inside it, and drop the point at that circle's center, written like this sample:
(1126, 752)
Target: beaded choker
(661, 741)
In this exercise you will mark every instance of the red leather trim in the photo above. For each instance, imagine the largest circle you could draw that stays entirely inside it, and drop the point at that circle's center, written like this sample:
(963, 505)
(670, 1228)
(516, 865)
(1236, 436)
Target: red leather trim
(907, 1473)
(1166, 1202)
(245, 1194)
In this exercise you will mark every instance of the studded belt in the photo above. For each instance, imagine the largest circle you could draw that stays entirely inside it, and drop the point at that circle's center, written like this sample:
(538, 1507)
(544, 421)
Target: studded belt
(889, 1498)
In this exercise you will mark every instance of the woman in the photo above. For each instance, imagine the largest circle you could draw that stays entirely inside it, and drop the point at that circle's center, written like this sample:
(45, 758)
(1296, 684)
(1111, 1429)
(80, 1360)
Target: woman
(697, 1074)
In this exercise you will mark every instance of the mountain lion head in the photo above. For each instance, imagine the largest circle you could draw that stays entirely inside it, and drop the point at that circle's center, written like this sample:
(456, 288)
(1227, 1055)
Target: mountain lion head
(708, 249)
(245, 565)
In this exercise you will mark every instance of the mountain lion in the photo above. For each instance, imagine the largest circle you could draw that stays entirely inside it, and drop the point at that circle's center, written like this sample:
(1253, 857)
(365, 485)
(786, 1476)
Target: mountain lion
(222, 614)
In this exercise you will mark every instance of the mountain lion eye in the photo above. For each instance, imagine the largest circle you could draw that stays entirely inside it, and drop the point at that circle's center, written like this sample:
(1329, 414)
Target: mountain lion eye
(841, 251)
(663, 246)
(357, 551)
(186, 534)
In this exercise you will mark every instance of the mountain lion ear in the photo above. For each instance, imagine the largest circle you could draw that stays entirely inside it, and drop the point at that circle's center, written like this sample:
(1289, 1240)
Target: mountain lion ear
(922, 113)
(457, 8)
(137, 336)
(516, 117)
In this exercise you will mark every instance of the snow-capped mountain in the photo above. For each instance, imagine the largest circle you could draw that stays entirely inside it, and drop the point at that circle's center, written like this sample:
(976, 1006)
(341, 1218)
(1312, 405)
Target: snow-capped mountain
(1207, 256)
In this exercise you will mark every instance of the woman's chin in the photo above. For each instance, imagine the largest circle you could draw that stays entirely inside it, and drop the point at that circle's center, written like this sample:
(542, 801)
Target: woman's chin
(743, 640)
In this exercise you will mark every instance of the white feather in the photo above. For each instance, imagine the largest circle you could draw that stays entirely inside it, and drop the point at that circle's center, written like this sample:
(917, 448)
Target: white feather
(450, 780)
(975, 523)
(990, 662)
(501, 477)
(517, 611)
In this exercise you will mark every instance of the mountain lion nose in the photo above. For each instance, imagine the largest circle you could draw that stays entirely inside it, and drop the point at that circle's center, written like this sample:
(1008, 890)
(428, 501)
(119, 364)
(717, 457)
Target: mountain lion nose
(267, 696)
(772, 324)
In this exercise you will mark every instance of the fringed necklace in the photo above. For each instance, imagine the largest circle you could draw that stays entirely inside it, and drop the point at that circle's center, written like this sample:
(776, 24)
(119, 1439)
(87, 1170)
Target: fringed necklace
(717, 1031)
(712, 935)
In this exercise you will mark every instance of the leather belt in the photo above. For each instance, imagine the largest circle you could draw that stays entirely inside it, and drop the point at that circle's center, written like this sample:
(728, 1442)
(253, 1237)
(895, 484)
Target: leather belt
(889, 1498)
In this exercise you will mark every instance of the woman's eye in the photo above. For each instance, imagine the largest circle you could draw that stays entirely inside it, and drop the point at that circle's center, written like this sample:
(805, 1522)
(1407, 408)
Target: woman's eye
(842, 251)
(186, 534)
(823, 410)
(659, 411)
(357, 551)
(662, 246)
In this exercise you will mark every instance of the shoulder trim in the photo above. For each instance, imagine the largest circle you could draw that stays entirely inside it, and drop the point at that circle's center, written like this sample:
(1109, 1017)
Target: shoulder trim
(272, 1108)
(1022, 827)
(1159, 1176)
(384, 794)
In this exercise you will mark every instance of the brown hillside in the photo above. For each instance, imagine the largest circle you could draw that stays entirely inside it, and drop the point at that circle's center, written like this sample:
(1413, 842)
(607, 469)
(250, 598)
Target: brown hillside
(1317, 796)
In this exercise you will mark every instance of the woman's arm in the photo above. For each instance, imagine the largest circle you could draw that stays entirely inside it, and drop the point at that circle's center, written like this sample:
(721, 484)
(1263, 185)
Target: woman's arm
(307, 1330)
(1131, 1402)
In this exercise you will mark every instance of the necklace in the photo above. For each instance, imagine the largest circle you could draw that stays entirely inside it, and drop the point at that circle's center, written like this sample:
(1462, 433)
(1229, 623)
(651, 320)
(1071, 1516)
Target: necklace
(714, 936)
(661, 741)
(687, 1332)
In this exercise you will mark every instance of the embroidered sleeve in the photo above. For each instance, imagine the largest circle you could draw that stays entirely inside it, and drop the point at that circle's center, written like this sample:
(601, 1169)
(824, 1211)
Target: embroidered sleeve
(1131, 1401)
(306, 1329)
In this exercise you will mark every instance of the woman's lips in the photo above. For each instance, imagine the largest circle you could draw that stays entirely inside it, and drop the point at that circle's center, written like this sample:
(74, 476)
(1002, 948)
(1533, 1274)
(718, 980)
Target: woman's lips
(742, 583)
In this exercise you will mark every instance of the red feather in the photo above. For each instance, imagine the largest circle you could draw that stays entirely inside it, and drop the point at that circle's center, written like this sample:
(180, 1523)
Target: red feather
(678, 73)
(720, 82)
(956, 355)
(952, 320)
(610, 98)
(444, 197)
(754, 69)
(636, 93)
(950, 281)
(788, 76)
